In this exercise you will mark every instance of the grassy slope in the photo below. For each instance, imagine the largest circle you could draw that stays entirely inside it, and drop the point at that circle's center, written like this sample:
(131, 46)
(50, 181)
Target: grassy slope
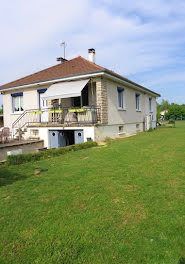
(123, 204)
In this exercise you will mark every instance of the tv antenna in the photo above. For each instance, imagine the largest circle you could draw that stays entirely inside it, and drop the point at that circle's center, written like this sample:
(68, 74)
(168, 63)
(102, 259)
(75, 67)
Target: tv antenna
(64, 44)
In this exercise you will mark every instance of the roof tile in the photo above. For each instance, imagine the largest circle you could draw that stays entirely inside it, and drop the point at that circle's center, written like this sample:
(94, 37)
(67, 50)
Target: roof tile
(77, 65)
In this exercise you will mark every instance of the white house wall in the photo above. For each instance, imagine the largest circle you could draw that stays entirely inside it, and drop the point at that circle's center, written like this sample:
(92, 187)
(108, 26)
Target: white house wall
(130, 114)
(44, 132)
(30, 101)
(101, 132)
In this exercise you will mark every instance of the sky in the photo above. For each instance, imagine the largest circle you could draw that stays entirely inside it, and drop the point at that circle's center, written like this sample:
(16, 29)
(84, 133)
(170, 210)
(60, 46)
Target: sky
(141, 40)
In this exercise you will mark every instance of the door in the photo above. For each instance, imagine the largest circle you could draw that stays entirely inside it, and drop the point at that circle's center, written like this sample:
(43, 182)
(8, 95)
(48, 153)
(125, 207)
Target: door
(148, 122)
(79, 136)
(44, 108)
(62, 139)
(54, 139)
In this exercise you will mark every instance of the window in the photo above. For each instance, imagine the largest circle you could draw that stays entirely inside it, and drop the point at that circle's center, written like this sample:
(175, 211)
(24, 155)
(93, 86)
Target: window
(85, 99)
(17, 102)
(82, 100)
(35, 132)
(137, 101)
(42, 102)
(76, 101)
(120, 129)
(150, 104)
(120, 98)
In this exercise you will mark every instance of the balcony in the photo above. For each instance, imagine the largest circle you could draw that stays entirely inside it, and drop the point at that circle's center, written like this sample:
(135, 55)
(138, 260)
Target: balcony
(59, 116)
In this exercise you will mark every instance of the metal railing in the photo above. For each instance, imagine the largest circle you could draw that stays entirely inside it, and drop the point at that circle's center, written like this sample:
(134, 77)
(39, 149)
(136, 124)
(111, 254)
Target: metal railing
(59, 115)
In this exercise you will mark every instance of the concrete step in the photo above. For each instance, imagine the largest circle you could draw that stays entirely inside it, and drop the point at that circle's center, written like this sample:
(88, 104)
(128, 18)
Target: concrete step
(34, 138)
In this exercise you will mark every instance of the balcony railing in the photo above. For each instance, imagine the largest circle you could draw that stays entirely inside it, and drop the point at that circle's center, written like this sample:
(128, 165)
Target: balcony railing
(59, 115)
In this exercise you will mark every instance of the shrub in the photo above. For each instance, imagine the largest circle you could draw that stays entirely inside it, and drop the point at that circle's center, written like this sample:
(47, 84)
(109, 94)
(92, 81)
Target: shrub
(168, 124)
(22, 158)
(171, 121)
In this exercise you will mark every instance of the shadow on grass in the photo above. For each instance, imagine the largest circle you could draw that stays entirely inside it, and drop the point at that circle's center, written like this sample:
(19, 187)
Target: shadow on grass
(181, 260)
(8, 176)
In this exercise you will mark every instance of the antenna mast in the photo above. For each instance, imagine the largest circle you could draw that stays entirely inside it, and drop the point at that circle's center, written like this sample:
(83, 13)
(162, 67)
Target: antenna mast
(64, 45)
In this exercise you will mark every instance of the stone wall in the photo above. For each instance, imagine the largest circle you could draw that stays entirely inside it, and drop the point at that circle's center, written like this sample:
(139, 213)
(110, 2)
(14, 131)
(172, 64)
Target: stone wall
(27, 147)
(101, 99)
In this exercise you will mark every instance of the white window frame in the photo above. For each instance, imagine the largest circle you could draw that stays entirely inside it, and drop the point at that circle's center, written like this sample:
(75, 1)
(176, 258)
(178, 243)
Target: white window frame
(138, 103)
(121, 100)
(150, 105)
(19, 103)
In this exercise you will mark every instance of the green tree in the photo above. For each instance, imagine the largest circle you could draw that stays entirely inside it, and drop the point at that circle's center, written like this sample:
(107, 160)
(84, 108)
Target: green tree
(176, 112)
(1, 110)
(158, 112)
(164, 105)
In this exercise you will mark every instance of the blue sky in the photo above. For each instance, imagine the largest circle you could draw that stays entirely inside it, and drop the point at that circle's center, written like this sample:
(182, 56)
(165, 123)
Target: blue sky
(142, 40)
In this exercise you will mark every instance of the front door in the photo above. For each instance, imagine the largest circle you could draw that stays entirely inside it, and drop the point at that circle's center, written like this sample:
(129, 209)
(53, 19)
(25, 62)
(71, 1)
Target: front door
(43, 105)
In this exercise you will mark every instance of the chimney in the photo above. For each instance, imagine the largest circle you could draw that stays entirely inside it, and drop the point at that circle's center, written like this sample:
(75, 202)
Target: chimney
(91, 55)
(61, 59)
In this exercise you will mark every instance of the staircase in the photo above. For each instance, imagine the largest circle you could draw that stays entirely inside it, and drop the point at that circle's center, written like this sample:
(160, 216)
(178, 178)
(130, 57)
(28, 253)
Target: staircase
(19, 127)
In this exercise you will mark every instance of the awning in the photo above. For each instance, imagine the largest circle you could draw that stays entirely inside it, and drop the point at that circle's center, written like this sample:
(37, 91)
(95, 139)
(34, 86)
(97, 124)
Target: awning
(64, 90)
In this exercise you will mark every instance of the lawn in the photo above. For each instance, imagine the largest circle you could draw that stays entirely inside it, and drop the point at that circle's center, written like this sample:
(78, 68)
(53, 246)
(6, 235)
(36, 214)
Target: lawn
(119, 203)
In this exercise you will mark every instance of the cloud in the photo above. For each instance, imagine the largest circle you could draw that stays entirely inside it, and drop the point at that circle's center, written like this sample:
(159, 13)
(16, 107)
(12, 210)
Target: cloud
(148, 9)
(29, 24)
(138, 39)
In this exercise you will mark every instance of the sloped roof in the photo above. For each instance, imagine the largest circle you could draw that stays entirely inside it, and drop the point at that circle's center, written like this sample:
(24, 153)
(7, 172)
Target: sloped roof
(72, 67)
(76, 66)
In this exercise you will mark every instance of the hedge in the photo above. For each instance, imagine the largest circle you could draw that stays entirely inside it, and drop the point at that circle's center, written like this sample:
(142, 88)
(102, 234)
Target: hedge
(22, 158)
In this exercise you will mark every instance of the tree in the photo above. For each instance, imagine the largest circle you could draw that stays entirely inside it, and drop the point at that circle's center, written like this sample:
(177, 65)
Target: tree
(158, 112)
(1, 110)
(176, 112)
(164, 105)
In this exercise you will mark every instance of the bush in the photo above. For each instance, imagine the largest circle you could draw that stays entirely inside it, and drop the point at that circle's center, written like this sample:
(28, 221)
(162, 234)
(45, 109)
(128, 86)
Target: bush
(171, 121)
(22, 158)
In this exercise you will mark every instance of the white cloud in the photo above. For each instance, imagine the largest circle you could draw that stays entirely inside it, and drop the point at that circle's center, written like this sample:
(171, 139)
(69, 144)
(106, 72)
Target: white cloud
(130, 37)
(152, 8)
(29, 24)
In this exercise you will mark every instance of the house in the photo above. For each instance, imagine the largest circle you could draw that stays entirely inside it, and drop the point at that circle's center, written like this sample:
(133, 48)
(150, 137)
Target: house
(77, 101)
(163, 113)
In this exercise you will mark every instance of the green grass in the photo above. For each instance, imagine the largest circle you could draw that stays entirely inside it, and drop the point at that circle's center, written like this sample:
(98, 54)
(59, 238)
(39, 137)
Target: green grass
(120, 203)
